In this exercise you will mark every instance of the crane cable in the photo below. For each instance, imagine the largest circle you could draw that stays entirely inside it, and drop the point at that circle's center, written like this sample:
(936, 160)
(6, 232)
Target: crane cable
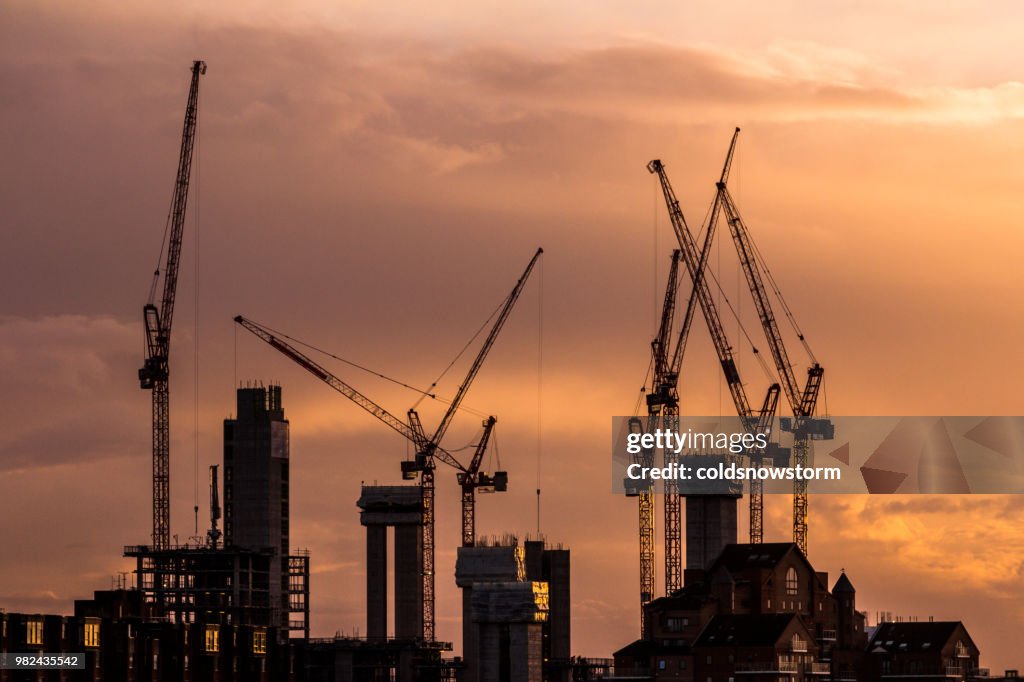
(785, 306)
(375, 373)
(736, 316)
(195, 319)
(458, 355)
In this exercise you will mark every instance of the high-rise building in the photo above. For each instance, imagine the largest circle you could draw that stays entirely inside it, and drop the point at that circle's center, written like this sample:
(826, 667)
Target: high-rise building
(256, 486)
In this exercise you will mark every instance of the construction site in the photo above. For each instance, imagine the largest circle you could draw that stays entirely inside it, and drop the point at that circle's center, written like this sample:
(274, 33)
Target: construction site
(235, 603)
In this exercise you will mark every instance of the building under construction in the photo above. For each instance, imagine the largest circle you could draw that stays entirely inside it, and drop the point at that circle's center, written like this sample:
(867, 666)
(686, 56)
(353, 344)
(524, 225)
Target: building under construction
(252, 578)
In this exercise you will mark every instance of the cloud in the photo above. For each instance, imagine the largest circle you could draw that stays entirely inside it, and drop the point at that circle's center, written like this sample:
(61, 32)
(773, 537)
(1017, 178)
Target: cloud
(378, 194)
(65, 401)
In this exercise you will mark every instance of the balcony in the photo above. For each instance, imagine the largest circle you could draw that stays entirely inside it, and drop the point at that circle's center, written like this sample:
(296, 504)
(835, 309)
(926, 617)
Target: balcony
(828, 635)
(951, 671)
(816, 668)
(772, 667)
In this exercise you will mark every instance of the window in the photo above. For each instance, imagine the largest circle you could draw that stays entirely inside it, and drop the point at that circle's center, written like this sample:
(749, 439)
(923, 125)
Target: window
(661, 664)
(92, 633)
(259, 641)
(674, 624)
(798, 644)
(212, 639)
(34, 631)
(791, 581)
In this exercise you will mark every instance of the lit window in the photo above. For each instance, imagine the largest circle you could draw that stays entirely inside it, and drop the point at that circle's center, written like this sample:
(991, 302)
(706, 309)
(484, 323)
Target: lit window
(34, 634)
(259, 641)
(791, 581)
(212, 639)
(798, 644)
(92, 633)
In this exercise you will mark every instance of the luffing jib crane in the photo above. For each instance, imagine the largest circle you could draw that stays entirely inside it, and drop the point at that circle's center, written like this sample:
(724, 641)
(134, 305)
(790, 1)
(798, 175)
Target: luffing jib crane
(803, 402)
(428, 449)
(411, 430)
(153, 375)
(423, 464)
(643, 491)
(473, 479)
(696, 261)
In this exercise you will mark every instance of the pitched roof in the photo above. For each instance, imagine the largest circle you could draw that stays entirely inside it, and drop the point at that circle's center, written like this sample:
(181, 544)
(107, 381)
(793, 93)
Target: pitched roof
(843, 585)
(912, 636)
(747, 629)
(742, 557)
(644, 648)
(690, 597)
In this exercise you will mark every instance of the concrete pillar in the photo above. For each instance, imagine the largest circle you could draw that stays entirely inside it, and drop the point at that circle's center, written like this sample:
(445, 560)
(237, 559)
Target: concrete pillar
(488, 662)
(710, 526)
(408, 581)
(377, 582)
(470, 643)
(524, 652)
(401, 507)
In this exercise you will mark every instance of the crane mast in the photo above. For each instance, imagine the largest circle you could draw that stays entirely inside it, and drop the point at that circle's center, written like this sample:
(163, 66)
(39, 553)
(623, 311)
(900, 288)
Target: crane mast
(802, 402)
(157, 319)
(666, 406)
(213, 535)
(661, 390)
(696, 261)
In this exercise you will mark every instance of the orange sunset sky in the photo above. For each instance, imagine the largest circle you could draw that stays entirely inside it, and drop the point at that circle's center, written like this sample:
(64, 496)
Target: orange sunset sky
(373, 177)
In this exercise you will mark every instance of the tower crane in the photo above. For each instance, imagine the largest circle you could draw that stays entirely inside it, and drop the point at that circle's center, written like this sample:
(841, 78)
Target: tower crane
(696, 261)
(153, 375)
(473, 479)
(411, 429)
(644, 492)
(424, 460)
(427, 448)
(802, 401)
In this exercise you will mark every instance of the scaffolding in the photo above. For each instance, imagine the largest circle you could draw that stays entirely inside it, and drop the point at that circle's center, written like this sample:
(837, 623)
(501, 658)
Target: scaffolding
(228, 586)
